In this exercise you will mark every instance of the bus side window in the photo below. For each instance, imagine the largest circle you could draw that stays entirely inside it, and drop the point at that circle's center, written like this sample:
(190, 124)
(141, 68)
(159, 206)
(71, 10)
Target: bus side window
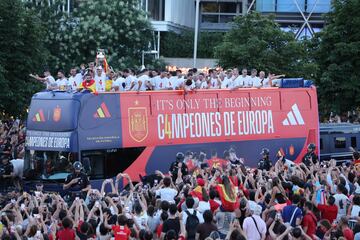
(321, 144)
(340, 142)
(353, 142)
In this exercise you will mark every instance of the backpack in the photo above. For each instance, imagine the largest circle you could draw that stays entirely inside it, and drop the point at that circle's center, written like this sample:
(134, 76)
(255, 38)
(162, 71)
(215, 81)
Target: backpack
(192, 222)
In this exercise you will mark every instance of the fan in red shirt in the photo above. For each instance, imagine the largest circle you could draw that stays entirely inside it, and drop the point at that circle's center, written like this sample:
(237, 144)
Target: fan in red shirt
(343, 225)
(309, 221)
(228, 195)
(121, 231)
(66, 233)
(328, 211)
(197, 192)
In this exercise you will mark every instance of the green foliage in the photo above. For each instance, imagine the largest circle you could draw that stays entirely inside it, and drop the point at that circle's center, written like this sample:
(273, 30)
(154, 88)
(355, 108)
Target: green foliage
(119, 27)
(257, 41)
(337, 52)
(182, 45)
(22, 52)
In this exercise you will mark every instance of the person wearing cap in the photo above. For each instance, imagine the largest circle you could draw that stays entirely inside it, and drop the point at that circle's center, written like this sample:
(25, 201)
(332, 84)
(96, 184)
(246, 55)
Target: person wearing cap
(178, 164)
(265, 163)
(254, 226)
(310, 157)
(77, 181)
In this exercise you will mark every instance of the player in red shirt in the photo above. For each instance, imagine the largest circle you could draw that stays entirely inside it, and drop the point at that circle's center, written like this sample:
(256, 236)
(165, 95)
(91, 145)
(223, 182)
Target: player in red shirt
(121, 231)
(66, 233)
(215, 162)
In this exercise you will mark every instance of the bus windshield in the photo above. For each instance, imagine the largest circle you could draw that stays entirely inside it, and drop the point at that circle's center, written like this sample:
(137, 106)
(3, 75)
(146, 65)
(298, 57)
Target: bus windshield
(49, 164)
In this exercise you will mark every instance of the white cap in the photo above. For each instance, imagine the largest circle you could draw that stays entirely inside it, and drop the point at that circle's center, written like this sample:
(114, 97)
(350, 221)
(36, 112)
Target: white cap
(255, 208)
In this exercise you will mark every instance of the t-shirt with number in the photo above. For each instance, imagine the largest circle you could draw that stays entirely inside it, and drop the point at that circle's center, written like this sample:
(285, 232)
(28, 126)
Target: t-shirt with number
(341, 201)
(121, 232)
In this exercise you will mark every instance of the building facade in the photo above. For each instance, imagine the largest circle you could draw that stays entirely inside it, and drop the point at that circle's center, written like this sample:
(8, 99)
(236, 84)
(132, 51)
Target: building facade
(302, 16)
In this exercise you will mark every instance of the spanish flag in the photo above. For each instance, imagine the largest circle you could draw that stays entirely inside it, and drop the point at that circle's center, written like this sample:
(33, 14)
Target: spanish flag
(197, 192)
(281, 153)
(228, 203)
(106, 66)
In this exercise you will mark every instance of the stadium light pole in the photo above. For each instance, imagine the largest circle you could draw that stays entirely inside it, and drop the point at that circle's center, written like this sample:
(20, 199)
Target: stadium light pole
(197, 13)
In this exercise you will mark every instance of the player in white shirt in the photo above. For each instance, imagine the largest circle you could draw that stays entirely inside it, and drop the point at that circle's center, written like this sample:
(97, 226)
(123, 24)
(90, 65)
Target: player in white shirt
(254, 80)
(206, 83)
(129, 79)
(47, 79)
(142, 81)
(242, 81)
(62, 83)
(264, 81)
(169, 82)
(100, 79)
(160, 81)
(214, 80)
(75, 79)
(200, 78)
(179, 82)
(119, 84)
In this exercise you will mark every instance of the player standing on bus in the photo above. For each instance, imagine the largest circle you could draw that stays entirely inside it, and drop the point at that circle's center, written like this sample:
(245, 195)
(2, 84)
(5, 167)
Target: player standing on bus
(265, 163)
(310, 157)
(77, 183)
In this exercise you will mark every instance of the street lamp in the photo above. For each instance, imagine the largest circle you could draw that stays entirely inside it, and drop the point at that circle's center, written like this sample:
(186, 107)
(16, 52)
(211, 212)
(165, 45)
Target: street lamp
(197, 13)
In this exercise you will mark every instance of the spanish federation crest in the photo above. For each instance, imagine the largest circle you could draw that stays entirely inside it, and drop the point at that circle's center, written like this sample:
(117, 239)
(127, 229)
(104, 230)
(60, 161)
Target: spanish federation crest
(138, 123)
(57, 114)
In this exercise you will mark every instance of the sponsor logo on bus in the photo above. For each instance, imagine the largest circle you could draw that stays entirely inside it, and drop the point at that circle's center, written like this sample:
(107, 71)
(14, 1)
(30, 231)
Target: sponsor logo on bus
(102, 112)
(57, 114)
(39, 116)
(294, 117)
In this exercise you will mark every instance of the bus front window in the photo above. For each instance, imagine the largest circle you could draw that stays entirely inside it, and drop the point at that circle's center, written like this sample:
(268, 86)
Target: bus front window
(48, 164)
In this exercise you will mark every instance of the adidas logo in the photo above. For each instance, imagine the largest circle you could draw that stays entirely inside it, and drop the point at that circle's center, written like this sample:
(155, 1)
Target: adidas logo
(102, 112)
(39, 116)
(294, 117)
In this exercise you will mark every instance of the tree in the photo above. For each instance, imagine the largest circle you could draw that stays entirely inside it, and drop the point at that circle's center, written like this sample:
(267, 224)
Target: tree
(22, 52)
(337, 52)
(119, 27)
(182, 44)
(257, 41)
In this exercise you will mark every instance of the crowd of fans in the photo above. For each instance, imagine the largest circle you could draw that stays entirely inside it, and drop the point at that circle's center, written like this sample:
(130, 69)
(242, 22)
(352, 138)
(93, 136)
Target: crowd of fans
(98, 78)
(217, 199)
(12, 151)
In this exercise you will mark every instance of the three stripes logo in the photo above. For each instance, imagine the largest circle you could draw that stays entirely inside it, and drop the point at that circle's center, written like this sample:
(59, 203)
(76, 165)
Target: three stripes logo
(39, 116)
(102, 112)
(294, 117)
